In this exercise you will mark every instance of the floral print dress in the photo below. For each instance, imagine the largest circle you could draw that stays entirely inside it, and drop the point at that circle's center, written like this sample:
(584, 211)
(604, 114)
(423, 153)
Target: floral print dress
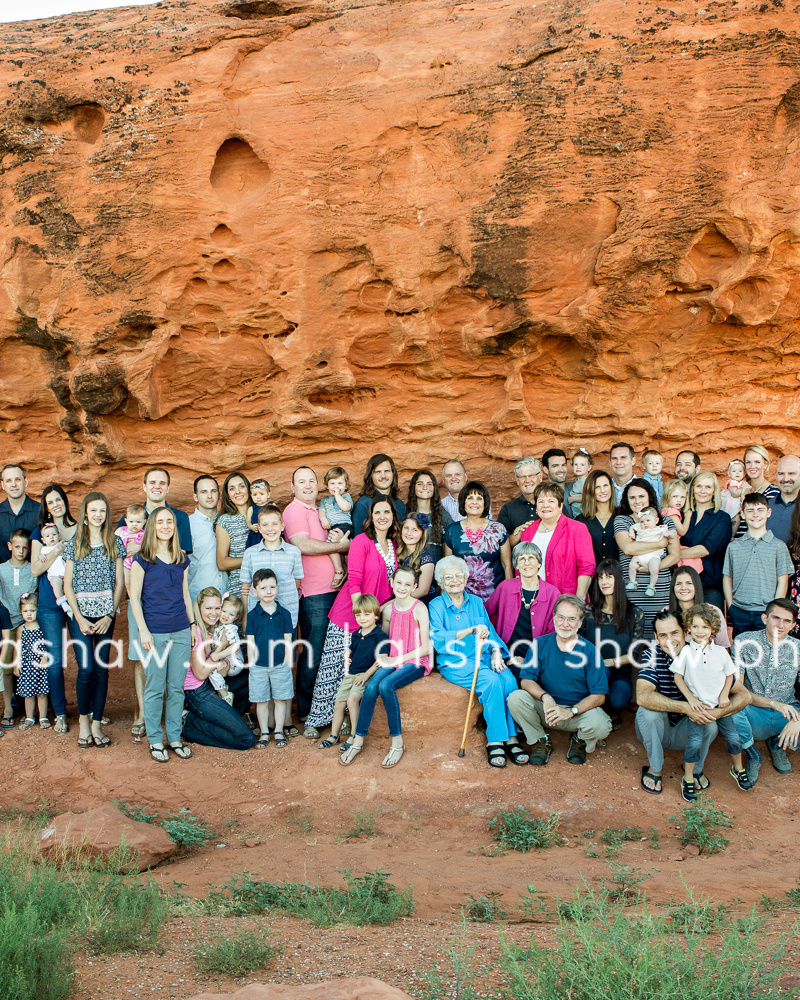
(480, 550)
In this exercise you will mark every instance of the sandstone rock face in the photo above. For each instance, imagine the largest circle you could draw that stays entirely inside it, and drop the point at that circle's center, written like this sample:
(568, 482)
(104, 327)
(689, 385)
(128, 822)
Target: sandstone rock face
(100, 832)
(361, 988)
(250, 234)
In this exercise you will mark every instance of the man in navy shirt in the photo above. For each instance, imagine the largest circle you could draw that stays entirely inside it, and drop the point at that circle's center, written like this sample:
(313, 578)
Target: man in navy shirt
(155, 486)
(563, 684)
(663, 711)
(18, 510)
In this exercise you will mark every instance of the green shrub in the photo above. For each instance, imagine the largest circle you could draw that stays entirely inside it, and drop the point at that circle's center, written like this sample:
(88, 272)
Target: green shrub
(654, 838)
(623, 883)
(457, 958)
(35, 959)
(614, 839)
(366, 899)
(517, 830)
(700, 822)
(244, 950)
(697, 916)
(134, 812)
(532, 903)
(606, 955)
(127, 918)
(186, 829)
(483, 909)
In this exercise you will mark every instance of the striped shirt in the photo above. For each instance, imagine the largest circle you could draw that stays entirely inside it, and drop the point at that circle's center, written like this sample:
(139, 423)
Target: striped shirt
(285, 562)
(754, 565)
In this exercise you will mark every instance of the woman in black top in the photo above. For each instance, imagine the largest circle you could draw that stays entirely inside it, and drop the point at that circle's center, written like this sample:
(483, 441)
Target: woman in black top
(708, 534)
(613, 624)
(597, 513)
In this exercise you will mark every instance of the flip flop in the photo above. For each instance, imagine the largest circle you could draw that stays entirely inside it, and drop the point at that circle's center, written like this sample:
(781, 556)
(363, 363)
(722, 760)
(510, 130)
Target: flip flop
(350, 754)
(7, 723)
(84, 742)
(101, 741)
(159, 754)
(393, 757)
(655, 777)
(181, 750)
(138, 729)
(292, 731)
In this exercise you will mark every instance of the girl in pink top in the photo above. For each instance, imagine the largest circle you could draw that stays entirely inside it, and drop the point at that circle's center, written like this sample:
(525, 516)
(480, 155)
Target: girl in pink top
(406, 622)
(371, 563)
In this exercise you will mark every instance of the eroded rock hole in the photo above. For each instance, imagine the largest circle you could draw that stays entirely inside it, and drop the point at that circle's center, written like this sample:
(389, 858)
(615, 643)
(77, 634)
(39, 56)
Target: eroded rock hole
(88, 121)
(253, 10)
(238, 174)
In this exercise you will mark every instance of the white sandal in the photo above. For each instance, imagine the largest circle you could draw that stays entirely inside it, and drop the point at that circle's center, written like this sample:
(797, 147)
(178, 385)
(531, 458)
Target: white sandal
(394, 756)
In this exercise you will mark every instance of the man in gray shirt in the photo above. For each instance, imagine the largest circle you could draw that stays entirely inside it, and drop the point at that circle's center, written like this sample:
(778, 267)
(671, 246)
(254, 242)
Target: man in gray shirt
(203, 569)
(770, 661)
(787, 476)
(757, 568)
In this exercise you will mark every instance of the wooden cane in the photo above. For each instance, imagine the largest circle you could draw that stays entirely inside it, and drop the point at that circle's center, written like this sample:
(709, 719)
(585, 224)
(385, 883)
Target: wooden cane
(478, 645)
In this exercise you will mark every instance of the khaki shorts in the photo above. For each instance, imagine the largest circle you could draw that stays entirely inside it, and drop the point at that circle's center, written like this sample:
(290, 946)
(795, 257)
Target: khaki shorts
(346, 687)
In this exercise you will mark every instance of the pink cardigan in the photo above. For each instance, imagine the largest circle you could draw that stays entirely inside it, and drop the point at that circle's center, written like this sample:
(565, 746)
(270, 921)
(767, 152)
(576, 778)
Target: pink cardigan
(569, 555)
(366, 574)
(503, 608)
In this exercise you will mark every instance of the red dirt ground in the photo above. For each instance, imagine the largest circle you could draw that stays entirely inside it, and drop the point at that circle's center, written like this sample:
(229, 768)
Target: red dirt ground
(432, 813)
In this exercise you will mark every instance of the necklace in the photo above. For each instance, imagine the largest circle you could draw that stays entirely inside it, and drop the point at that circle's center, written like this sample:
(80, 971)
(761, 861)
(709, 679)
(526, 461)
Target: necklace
(474, 535)
(388, 557)
(527, 604)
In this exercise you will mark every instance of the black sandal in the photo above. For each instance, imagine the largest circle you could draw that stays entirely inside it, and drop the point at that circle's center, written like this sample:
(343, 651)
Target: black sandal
(496, 754)
(159, 753)
(516, 753)
(655, 778)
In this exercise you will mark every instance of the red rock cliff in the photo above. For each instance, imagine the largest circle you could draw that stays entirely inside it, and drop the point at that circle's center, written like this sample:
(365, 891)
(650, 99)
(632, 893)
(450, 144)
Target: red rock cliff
(250, 234)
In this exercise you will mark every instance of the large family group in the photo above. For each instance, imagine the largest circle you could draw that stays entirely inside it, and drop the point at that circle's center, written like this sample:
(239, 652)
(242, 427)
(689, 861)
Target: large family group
(590, 589)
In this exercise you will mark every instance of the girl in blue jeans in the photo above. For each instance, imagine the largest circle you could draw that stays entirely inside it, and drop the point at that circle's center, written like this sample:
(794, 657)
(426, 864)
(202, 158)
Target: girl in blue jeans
(93, 586)
(406, 622)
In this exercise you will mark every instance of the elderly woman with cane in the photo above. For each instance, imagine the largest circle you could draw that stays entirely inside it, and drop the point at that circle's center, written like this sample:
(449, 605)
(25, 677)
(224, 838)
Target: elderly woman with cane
(470, 653)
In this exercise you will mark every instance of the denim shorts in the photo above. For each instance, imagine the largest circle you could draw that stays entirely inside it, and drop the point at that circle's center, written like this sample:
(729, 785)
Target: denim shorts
(268, 683)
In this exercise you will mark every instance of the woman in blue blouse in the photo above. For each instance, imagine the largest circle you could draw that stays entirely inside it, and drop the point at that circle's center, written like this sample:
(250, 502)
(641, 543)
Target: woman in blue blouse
(457, 619)
(483, 544)
(708, 535)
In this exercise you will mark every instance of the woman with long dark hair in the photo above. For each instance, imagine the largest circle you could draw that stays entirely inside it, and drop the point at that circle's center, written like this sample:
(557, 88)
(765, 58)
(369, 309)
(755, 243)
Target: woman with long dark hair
(613, 625)
(380, 483)
(94, 583)
(637, 495)
(597, 513)
(413, 551)
(482, 543)
(424, 499)
(232, 528)
(54, 509)
(686, 591)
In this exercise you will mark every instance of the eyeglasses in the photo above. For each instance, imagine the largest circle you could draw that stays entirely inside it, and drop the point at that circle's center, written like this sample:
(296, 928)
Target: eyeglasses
(453, 579)
(567, 621)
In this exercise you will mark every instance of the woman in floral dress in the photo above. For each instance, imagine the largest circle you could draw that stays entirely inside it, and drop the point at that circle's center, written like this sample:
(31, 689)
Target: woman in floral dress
(482, 544)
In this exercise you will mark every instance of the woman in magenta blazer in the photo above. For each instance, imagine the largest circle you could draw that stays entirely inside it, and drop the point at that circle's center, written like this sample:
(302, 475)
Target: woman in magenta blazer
(566, 545)
(371, 562)
(521, 609)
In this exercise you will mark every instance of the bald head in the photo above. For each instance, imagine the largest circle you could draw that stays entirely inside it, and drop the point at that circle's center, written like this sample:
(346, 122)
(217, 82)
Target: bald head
(787, 476)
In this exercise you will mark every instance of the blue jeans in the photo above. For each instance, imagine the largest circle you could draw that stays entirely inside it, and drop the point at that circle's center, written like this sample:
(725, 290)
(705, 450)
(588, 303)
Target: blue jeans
(213, 723)
(695, 733)
(91, 684)
(313, 622)
(52, 622)
(744, 621)
(756, 723)
(165, 671)
(657, 734)
(385, 682)
(620, 690)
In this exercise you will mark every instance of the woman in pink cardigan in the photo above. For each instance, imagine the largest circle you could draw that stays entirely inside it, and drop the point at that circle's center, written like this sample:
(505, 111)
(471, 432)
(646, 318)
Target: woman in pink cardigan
(371, 563)
(565, 544)
(521, 609)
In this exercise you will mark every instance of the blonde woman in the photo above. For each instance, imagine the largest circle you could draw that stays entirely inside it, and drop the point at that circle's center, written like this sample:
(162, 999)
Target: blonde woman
(162, 608)
(756, 467)
(708, 533)
(210, 720)
(93, 586)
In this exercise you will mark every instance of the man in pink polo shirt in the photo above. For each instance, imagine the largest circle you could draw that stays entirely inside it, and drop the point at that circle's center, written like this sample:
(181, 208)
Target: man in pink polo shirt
(303, 529)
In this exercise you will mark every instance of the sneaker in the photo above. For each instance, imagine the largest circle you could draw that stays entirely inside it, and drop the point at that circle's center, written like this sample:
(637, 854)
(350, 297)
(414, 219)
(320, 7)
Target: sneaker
(779, 759)
(739, 775)
(576, 752)
(540, 752)
(688, 790)
(752, 763)
(650, 592)
(631, 585)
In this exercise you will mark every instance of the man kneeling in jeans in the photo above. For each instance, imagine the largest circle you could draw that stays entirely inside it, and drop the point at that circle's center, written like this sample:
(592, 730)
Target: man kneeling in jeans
(563, 684)
(661, 719)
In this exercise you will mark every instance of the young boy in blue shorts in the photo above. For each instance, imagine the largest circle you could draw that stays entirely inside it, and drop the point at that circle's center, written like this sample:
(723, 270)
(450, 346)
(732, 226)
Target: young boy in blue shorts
(269, 656)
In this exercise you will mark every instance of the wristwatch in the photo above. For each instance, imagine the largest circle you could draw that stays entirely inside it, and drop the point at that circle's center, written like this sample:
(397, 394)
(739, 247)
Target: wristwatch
(574, 710)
